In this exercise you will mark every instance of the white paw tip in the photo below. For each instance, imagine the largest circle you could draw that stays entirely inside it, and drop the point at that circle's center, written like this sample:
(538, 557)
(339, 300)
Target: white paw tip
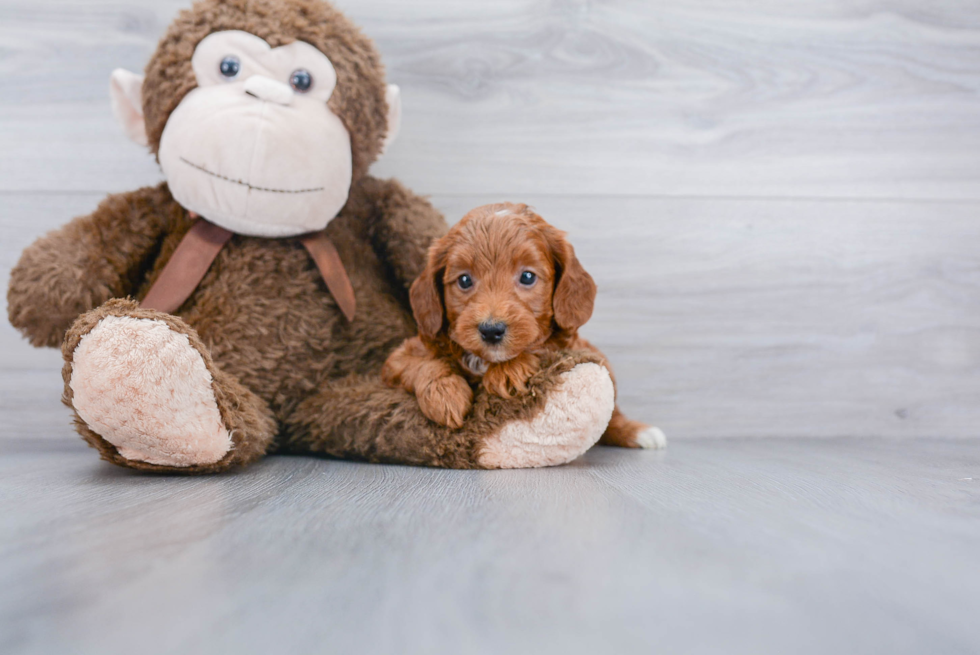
(653, 438)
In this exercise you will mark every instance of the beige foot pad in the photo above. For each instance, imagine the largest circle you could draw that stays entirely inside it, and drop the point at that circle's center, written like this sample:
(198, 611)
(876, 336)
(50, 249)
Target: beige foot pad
(570, 423)
(143, 388)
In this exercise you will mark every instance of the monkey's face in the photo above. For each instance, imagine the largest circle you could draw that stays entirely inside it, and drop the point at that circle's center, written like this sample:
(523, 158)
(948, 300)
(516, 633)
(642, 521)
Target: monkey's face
(255, 148)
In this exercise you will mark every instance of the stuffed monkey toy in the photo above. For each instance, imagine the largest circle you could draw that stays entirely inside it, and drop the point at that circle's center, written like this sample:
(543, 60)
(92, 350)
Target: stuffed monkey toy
(247, 304)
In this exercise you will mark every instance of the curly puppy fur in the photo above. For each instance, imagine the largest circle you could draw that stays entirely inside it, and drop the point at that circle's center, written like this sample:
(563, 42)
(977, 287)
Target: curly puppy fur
(289, 372)
(501, 265)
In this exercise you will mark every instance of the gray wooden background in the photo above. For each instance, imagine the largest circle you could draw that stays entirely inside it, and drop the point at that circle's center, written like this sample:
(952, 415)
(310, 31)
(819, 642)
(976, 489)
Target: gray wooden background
(780, 201)
(781, 204)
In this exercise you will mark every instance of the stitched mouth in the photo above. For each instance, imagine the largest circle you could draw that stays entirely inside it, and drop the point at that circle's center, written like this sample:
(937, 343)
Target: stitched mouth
(246, 184)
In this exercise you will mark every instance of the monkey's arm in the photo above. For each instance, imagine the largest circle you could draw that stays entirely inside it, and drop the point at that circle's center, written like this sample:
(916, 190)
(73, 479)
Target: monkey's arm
(564, 412)
(403, 227)
(88, 261)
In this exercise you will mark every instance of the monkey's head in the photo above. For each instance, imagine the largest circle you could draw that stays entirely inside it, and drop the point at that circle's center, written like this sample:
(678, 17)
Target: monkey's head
(262, 113)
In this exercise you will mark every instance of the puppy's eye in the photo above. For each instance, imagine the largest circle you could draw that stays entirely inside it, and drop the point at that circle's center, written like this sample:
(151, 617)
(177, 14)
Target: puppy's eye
(230, 66)
(464, 281)
(528, 278)
(301, 80)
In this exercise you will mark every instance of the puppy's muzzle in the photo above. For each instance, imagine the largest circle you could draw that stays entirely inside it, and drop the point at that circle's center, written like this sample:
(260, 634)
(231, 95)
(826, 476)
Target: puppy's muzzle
(492, 332)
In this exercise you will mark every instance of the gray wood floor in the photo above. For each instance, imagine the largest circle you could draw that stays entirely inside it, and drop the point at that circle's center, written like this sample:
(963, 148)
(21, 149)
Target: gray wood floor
(779, 202)
(720, 546)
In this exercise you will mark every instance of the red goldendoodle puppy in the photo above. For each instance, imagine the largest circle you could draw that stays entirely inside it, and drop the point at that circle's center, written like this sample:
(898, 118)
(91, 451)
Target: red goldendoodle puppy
(501, 287)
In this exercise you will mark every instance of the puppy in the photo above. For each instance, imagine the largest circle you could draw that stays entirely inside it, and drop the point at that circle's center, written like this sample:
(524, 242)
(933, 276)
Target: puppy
(502, 287)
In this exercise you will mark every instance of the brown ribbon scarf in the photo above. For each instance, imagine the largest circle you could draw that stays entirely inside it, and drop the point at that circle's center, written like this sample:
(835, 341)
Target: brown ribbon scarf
(202, 243)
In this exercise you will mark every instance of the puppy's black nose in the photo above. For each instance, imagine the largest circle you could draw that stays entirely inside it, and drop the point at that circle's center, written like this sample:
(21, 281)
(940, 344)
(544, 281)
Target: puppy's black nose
(493, 333)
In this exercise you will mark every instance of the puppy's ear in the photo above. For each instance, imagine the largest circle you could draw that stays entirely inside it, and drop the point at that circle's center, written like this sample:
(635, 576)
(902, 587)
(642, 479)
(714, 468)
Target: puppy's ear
(426, 292)
(575, 289)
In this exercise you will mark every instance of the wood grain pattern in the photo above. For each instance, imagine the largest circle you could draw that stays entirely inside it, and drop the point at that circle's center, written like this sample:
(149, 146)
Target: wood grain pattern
(734, 546)
(775, 318)
(779, 202)
(877, 99)
(724, 317)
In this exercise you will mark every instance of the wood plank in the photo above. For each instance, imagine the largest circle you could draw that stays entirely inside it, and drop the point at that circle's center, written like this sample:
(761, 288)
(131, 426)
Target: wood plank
(748, 98)
(722, 317)
(754, 546)
(775, 318)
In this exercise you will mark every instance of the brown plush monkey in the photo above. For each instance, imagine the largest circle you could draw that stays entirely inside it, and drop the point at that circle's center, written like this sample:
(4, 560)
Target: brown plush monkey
(197, 344)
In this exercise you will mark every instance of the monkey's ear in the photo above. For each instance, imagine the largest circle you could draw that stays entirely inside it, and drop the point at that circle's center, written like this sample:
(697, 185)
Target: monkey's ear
(393, 96)
(126, 91)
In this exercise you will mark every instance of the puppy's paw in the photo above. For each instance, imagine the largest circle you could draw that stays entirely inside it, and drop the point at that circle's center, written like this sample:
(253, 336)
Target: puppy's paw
(405, 360)
(652, 438)
(509, 378)
(624, 433)
(446, 400)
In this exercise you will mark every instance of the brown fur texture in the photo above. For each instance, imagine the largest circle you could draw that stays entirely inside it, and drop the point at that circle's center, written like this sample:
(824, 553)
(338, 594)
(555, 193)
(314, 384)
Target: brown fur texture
(443, 395)
(473, 278)
(289, 372)
(262, 313)
(246, 416)
(380, 424)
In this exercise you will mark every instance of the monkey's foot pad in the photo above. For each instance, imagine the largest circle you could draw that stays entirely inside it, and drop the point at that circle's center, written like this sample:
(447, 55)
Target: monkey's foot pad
(143, 388)
(570, 423)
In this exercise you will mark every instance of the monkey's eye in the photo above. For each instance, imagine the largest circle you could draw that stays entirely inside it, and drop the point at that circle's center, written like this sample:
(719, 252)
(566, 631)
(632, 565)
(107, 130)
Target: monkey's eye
(464, 281)
(301, 80)
(230, 66)
(528, 278)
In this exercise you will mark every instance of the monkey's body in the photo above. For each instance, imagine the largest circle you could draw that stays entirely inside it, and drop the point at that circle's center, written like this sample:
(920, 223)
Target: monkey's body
(289, 372)
(268, 319)
(260, 357)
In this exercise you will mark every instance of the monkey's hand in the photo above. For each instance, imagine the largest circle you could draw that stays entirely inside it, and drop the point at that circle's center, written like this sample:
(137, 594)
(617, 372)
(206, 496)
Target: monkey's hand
(52, 285)
(85, 263)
